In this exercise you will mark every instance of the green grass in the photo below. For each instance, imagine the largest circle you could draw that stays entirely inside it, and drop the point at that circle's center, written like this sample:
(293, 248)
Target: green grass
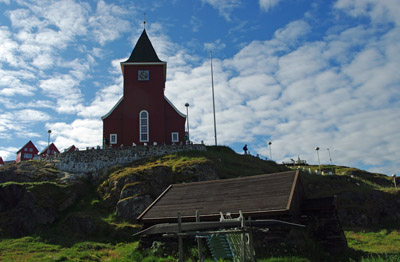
(36, 249)
(381, 241)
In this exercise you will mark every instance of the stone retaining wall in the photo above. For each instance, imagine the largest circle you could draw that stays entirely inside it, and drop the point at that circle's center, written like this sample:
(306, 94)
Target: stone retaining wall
(93, 160)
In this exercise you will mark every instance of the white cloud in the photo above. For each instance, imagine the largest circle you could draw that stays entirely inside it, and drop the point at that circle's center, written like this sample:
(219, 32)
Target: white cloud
(81, 132)
(378, 11)
(8, 153)
(225, 7)
(30, 115)
(217, 45)
(64, 89)
(292, 32)
(266, 5)
(107, 24)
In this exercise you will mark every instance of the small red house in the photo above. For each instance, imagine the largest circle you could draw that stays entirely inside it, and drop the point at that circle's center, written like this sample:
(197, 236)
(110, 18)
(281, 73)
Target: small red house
(49, 150)
(143, 114)
(1, 161)
(27, 152)
(72, 148)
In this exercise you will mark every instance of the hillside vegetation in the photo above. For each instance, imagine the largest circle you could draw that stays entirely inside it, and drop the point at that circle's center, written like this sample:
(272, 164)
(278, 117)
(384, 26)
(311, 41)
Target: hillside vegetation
(45, 215)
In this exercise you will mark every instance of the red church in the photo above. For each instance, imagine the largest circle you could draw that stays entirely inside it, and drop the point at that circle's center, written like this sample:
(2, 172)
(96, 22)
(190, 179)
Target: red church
(27, 152)
(143, 114)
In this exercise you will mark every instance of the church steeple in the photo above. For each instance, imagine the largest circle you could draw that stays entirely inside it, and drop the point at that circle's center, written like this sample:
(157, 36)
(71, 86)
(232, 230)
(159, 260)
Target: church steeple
(143, 51)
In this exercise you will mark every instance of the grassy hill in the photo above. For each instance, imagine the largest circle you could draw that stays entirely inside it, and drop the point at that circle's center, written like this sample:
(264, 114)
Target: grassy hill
(86, 225)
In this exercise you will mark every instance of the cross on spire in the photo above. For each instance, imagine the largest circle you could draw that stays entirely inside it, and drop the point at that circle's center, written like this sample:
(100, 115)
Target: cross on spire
(144, 20)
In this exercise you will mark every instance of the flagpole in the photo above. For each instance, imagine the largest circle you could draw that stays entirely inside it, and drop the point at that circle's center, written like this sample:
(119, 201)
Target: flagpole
(212, 87)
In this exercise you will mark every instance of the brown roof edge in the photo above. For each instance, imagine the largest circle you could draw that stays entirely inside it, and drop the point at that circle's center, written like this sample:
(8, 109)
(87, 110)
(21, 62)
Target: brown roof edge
(154, 202)
(296, 177)
(229, 179)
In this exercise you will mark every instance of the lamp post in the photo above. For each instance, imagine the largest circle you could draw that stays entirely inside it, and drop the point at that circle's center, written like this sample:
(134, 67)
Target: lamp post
(319, 163)
(48, 143)
(187, 121)
(394, 180)
(212, 87)
(330, 158)
(270, 150)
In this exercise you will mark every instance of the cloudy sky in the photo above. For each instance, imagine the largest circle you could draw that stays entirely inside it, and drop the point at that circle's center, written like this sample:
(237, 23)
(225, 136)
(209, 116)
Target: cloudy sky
(299, 73)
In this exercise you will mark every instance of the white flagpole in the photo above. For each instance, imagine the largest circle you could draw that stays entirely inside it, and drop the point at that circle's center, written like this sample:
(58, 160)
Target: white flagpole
(212, 86)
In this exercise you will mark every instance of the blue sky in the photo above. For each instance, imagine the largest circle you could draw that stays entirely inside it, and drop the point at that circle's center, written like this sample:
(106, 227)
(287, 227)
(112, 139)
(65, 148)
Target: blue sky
(298, 73)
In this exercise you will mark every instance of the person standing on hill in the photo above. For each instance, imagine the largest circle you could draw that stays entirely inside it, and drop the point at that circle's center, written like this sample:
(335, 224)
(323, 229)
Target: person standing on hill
(245, 149)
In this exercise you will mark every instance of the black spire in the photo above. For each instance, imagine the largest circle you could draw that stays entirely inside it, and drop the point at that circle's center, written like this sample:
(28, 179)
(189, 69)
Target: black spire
(143, 51)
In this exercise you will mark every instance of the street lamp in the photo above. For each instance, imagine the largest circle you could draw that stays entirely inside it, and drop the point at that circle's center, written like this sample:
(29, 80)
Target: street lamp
(48, 143)
(319, 163)
(330, 158)
(270, 150)
(187, 120)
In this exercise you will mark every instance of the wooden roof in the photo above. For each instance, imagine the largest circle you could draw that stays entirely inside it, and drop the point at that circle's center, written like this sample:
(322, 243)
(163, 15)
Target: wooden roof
(260, 195)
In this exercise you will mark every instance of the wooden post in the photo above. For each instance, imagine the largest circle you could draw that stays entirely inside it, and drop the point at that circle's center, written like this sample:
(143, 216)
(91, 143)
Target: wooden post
(253, 259)
(180, 237)
(199, 240)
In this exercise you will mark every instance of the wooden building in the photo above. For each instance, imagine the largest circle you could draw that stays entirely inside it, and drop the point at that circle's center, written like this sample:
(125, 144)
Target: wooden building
(270, 196)
(1, 161)
(27, 152)
(49, 150)
(258, 196)
(72, 148)
(143, 114)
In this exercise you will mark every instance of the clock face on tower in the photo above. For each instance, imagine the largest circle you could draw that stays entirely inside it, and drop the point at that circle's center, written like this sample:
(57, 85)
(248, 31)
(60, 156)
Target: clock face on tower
(143, 75)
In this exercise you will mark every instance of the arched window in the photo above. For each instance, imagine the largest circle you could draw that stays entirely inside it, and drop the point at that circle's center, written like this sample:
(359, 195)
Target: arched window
(144, 126)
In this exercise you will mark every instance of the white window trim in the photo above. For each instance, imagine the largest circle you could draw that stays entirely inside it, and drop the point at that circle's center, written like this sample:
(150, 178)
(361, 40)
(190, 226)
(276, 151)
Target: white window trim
(140, 127)
(172, 137)
(28, 155)
(111, 140)
(147, 76)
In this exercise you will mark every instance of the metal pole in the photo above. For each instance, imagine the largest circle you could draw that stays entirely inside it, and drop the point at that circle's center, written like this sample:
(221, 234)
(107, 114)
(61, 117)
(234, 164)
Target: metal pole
(212, 86)
(319, 163)
(48, 143)
(330, 158)
(243, 238)
(199, 240)
(270, 150)
(187, 119)
(180, 237)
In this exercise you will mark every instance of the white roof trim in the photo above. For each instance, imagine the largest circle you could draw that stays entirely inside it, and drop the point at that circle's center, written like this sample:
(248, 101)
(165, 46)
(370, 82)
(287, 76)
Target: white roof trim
(112, 109)
(170, 103)
(143, 63)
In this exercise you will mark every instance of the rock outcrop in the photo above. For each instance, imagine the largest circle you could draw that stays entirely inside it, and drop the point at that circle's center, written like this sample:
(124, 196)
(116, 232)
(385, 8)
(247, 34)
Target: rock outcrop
(25, 206)
(132, 190)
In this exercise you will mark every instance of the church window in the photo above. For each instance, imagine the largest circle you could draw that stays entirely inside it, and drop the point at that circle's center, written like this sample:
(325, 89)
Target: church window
(175, 137)
(144, 126)
(113, 138)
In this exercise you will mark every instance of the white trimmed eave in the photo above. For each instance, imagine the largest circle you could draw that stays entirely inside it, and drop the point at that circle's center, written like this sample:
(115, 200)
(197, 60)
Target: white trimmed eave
(142, 63)
(169, 102)
(112, 109)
